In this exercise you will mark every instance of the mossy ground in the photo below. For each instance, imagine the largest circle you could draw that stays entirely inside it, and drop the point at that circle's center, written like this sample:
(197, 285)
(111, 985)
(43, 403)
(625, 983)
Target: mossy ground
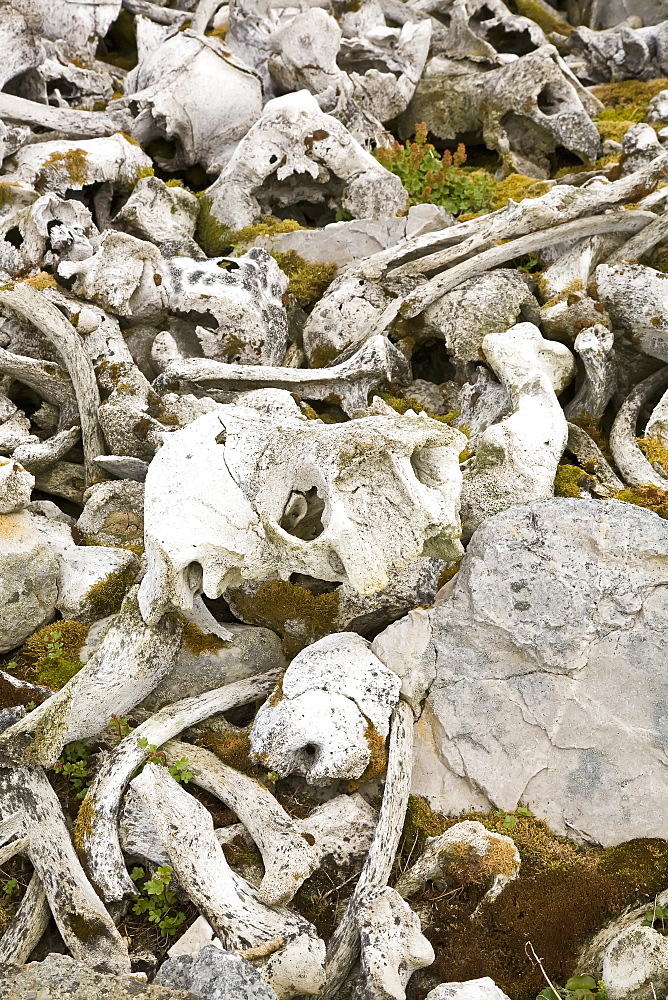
(628, 100)
(299, 616)
(563, 894)
(35, 662)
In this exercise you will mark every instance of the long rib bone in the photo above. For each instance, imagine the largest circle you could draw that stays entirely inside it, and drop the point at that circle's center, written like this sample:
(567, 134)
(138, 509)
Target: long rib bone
(97, 823)
(229, 903)
(376, 363)
(629, 459)
(85, 926)
(344, 945)
(288, 858)
(31, 305)
(125, 667)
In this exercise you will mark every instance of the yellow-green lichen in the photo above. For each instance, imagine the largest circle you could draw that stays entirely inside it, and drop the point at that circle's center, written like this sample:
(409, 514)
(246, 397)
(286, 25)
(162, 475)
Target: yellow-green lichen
(308, 281)
(403, 405)
(656, 453)
(615, 130)
(141, 172)
(74, 163)
(41, 281)
(268, 226)
(548, 21)
(50, 656)
(196, 641)
(84, 824)
(105, 598)
(629, 99)
(213, 237)
(517, 187)
(649, 497)
(571, 481)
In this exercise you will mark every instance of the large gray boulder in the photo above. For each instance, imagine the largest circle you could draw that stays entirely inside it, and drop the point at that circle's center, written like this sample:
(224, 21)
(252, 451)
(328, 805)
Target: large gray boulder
(546, 657)
(59, 977)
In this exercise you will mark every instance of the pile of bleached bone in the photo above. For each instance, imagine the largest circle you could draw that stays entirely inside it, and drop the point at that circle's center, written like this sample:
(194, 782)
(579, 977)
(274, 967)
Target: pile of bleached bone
(141, 379)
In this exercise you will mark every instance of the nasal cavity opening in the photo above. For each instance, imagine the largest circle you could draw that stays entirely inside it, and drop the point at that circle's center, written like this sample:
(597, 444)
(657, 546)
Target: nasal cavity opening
(548, 102)
(504, 40)
(302, 515)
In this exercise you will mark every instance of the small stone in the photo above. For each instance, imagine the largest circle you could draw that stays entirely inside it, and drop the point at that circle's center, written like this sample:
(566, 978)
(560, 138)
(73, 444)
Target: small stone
(472, 989)
(216, 975)
(16, 484)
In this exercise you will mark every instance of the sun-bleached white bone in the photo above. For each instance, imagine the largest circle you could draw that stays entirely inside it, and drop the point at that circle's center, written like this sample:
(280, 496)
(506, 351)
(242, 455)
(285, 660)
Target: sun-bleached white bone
(376, 363)
(228, 902)
(382, 476)
(98, 839)
(83, 707)
(344, 944)
(288, 858)
(86, 927)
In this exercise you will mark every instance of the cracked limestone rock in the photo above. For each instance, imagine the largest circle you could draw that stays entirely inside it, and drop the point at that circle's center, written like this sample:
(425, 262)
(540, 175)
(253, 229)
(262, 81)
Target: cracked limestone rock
(59, 976)
(544, 653)
(16, 485)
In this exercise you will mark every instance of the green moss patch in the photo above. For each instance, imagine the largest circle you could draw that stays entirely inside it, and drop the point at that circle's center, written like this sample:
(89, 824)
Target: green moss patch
(564, 893)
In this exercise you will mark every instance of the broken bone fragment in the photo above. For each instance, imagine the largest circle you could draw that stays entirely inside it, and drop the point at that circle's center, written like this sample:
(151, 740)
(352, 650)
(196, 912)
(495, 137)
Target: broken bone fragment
(341, 684)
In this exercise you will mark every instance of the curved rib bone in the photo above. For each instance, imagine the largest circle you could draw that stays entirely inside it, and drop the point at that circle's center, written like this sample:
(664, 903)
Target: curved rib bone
(85, 926)
(629, 459)
(288, 858)
(73, 124)
(427, 293)
(344, 945)
(125, 667)
(467, 850)
(375, 363)
(27, 925)
(229, 903)
(48, 379)
(588, 453)
(97, 823)
(561, 204)
(594, 345)
(641, 243)
(35, 308)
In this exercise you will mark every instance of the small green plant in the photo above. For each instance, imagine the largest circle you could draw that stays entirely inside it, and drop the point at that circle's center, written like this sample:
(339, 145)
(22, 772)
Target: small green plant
(10, 887)
(55, 667)
(439, 180)
(510, 819)
(577, 988)
(73, 764)
(122, 726)
(272, 777)
(156, 900)
(180, 770)
(657, 918)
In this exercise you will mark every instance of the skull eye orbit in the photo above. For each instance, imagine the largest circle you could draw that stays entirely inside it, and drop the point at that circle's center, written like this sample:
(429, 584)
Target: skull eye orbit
(302, 515)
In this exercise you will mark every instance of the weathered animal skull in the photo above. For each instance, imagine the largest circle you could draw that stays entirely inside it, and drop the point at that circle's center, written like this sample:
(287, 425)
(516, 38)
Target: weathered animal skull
(258, 491)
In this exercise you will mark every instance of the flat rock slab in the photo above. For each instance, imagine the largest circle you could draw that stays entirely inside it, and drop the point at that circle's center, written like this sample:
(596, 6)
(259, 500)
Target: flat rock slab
(216, 975)
(549, 663)
(59, 977)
